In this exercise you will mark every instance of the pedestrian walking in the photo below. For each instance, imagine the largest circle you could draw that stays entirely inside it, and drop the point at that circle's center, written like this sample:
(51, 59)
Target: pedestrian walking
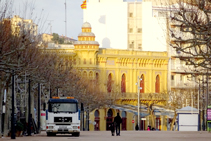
(117, 121)
(112, 128)
(137, 128)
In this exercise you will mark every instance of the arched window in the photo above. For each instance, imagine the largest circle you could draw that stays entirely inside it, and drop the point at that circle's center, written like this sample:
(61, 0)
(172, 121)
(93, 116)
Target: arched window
(79, 73)
(124, 120)
(97, 77)
(90, 75)
(157, 84)
(109, 83)
(142, 84)
(79, 61)
(123, 84)
(109, 119)
(123, 114)
(84, 74)
(109, 113)
(96, 113)
(84, 61)
(90, 61)
(97, 120)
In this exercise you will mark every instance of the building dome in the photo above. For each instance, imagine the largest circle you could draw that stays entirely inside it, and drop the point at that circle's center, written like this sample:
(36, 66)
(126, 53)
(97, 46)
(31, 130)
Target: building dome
(86, 24)
(86, 39)
(86, 34)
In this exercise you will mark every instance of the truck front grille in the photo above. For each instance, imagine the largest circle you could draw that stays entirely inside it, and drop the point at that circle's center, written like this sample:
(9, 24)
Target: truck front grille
(62, 119)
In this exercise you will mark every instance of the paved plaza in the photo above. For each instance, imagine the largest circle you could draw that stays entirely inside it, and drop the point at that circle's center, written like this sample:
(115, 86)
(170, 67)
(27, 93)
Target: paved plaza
(125, 136)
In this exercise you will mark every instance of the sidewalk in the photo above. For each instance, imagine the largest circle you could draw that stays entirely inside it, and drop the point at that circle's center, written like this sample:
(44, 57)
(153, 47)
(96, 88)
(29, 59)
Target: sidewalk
(125, 136)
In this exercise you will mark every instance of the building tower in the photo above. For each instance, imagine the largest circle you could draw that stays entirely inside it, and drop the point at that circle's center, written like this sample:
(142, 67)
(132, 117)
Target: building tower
(86, 46)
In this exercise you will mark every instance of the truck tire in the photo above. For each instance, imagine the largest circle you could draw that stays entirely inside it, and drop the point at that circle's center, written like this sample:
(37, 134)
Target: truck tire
(51, 134)
(76, 134)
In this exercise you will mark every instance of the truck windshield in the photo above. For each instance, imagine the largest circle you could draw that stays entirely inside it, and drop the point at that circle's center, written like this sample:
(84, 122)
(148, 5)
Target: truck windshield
(62, 107)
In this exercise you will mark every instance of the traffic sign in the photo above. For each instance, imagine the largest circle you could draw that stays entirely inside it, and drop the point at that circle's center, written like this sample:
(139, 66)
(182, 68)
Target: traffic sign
(132, 121)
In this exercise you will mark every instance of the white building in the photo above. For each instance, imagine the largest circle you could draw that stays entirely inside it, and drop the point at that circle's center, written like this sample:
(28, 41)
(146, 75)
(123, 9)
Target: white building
(138, 25)
(126, 25)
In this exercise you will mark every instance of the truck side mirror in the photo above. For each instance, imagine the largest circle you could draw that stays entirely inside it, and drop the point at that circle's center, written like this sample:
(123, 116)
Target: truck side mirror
(44, 106)
(82, 107)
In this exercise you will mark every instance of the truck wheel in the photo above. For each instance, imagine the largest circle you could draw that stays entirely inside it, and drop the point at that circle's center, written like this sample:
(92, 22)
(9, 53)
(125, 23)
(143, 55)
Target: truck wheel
(51, 134)
(76, 134)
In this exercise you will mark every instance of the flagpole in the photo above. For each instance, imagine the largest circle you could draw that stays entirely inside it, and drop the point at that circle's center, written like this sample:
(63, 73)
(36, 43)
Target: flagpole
(83, 6)
(85, 15)
(65, 19)
(85, 12)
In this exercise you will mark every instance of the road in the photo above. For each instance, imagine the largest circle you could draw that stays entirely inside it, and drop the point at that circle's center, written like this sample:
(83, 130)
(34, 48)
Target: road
(125, 136)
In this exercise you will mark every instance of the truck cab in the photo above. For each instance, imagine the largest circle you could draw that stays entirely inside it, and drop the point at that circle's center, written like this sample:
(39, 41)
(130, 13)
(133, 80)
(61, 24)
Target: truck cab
(63, 116)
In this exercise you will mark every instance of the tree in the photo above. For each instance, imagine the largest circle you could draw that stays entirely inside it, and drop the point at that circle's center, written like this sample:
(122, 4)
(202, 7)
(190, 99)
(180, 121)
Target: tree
(57, 39)
(190, 36)
(190, 32)
(188, 26)
(180, 98)
(153, 99)
(87, 91)
(19, 54)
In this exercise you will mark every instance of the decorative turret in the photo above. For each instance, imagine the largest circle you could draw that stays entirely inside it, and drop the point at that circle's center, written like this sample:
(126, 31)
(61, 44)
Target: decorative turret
(86, 39)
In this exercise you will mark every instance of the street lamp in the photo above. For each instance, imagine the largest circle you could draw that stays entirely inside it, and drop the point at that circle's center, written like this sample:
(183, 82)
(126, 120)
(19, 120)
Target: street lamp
(139, 88)
(13, 109)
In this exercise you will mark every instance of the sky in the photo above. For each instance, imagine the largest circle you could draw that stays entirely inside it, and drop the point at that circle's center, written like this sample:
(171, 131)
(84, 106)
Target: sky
(53, 11)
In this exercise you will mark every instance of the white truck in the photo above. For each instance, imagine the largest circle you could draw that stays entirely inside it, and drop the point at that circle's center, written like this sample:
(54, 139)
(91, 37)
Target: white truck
(63, 116)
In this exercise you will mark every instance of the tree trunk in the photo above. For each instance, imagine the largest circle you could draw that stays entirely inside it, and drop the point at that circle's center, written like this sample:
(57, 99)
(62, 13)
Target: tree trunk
(7, 113)
(27, 100)
(26, 108)
(172, 123)
(1, 99)
(6, 121)
(32, 105)
(1, 110)
(152, 119)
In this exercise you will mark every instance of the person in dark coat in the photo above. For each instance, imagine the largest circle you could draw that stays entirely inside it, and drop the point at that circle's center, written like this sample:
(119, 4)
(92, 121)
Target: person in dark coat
(112, 128)
(137, 128)
(118, 121)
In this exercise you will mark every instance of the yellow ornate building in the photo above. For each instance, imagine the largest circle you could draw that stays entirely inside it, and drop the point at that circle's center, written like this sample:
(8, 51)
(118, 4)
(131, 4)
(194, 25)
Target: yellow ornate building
(118, 70)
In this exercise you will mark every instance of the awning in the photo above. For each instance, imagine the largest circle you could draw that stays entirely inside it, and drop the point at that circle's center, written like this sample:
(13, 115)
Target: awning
(143, 110)
(141, 114)
(132, 109)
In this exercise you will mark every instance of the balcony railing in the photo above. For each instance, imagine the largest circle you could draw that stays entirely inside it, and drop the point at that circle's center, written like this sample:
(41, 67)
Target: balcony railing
(144, 96)
(182, 84)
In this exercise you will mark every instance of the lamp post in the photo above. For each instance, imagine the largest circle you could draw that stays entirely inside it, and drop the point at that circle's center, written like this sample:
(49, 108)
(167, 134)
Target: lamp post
(139, 88)
(38, 123)
(13, 109)
(203, 107)
(57, 90)
(29, 110)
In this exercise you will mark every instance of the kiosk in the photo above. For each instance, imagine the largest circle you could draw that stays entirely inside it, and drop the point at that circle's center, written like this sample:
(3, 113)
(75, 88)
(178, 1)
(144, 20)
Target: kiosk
(188, 119)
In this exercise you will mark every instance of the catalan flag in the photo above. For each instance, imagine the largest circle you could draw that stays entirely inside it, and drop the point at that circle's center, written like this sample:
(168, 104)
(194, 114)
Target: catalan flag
(83, 6)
